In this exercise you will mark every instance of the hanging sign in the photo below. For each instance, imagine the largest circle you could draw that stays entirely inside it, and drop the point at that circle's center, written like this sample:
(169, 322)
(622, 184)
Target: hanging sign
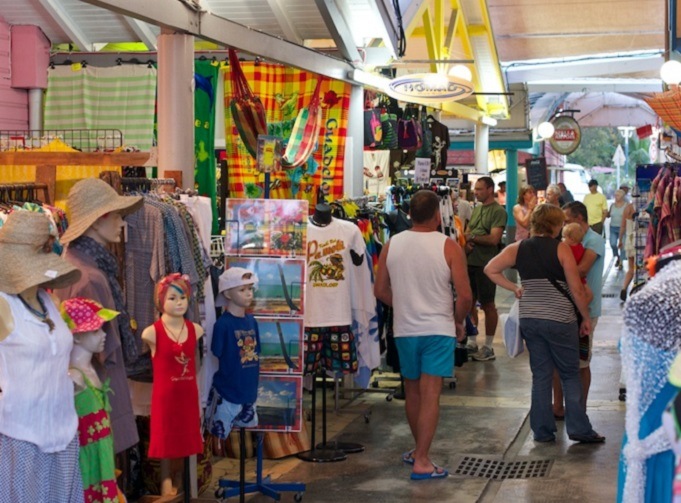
(567, 135)
(422, 170)
(429, 88)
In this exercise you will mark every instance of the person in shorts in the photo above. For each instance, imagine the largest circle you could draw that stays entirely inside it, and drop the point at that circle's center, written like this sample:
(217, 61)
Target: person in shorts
(416, 271)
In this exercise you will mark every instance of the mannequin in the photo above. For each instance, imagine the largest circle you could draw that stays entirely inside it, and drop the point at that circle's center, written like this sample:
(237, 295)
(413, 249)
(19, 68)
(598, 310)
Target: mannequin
(96, 459)
(322, 215)
(38, 421)
(236, 344)
(175, 414)
(95, 222)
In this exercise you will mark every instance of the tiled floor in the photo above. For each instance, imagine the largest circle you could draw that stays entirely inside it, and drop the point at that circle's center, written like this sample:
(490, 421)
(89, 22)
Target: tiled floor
(486, 416)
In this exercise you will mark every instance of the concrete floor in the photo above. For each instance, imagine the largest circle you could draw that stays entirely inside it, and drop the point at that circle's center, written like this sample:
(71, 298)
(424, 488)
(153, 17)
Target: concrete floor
(486, 416)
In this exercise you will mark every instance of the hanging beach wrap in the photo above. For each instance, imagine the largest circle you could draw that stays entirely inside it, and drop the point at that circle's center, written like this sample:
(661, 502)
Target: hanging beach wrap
(305, 132)
(247, 110)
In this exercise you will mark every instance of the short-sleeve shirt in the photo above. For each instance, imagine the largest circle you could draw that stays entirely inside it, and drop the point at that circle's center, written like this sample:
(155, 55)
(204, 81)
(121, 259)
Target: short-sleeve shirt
(595, 204)
(236, 344)
(483, 220)
(594, 278)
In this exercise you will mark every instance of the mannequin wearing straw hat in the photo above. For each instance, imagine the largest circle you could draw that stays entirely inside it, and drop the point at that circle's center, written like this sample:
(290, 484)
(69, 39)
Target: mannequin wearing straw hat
(95, 214)
(38, 421)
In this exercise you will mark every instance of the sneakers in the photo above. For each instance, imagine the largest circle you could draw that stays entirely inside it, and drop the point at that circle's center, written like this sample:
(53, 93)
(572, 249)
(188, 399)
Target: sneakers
(485, 354)
(472, 349)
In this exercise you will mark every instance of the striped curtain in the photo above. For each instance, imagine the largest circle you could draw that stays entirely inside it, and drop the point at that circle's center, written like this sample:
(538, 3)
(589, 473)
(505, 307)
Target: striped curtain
(118, 97)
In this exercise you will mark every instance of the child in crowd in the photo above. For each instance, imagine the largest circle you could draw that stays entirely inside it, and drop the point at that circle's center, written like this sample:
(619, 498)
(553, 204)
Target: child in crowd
(572, 236)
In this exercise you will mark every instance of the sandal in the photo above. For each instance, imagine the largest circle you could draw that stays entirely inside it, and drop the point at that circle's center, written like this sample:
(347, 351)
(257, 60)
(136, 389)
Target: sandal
(408, 457)
(435, 474)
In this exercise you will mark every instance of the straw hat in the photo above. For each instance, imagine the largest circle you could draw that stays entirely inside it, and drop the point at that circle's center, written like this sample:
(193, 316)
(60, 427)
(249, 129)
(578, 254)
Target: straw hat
(91, 198)
(26, 255)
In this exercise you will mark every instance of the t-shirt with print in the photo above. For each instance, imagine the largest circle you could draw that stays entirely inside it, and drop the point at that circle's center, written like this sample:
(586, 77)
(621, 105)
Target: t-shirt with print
(483, 220)
(236, 345)
(329, 272)
(440, 144)
(594, 278)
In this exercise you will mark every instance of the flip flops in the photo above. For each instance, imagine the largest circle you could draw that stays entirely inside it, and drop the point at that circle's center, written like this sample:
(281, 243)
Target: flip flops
(435, 474)
(408, 457)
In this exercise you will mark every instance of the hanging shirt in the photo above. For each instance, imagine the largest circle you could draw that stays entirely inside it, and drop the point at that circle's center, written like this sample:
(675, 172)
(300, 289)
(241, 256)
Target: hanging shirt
(329, 269)
(236, 344)
(440, 134)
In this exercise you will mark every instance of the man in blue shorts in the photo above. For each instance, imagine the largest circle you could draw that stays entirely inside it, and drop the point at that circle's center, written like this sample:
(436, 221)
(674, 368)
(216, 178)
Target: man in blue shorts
(416, 271)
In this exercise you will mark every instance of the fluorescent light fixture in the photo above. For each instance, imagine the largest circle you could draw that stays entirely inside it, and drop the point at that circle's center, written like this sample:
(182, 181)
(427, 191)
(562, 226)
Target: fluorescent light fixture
(369, 79)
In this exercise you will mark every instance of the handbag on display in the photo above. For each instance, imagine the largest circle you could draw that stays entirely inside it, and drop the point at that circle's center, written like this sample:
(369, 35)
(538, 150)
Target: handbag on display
(305, 133)
(512, 338)
(247, 110)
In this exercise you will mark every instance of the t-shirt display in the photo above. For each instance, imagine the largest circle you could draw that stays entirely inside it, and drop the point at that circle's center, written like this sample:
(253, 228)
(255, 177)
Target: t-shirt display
(329, 262)
(236, 344)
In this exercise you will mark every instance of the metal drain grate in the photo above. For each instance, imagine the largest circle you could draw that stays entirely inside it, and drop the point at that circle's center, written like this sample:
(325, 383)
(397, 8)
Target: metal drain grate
(496, 469)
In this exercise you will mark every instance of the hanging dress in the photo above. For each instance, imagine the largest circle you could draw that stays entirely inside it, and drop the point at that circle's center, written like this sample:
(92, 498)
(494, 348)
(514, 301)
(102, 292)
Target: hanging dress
(175, 415)
(96, 457)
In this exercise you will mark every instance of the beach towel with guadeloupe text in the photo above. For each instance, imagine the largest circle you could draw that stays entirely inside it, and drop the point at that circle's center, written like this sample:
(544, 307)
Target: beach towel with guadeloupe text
(284, 91)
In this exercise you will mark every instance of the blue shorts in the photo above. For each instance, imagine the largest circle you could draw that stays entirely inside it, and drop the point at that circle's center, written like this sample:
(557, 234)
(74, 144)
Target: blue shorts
(426, 354)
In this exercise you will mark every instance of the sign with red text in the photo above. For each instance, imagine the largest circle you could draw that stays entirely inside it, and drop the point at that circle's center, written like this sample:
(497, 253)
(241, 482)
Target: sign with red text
(567, 135)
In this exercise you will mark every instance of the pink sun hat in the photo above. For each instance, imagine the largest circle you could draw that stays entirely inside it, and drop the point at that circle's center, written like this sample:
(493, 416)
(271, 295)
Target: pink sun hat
(85, 315)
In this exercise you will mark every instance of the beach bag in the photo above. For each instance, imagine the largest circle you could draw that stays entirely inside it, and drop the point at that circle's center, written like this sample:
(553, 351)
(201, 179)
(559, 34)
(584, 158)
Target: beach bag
(305, 133)
(409, 134)
(512, 339)
(247, 110)
(389, 127)
(373, 130)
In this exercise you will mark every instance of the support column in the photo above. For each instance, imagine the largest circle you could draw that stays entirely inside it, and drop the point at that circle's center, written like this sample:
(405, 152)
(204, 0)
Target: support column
(511, 197)
(354, 146)
(35, 109)
(176, 105)
(482, 148)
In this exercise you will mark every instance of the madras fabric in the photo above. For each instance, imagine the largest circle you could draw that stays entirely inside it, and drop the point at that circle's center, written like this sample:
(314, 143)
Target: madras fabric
(118, 97)
(668, 106)
(283, 92)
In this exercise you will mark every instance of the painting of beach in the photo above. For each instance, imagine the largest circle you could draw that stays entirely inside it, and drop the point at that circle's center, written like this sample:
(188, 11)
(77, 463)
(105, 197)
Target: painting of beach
(279, 403)
(281, 345)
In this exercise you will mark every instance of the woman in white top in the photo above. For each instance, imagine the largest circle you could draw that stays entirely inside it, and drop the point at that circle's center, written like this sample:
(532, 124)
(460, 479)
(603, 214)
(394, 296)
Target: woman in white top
(527, 200)
(38, 421)
(616, 213)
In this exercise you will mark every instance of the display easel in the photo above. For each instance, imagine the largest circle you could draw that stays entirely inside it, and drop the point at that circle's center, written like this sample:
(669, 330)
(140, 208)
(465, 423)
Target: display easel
(229, 488)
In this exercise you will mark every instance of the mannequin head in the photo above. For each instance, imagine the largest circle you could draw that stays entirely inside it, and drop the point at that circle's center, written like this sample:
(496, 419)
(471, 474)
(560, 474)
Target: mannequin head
(90, 342)
(172, 295)
(322, 215)
(106, 229)
(236, 287)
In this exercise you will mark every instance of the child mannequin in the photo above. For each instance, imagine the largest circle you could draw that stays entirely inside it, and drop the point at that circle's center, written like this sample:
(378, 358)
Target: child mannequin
(96, 458)
(175, 415)
(572, 236)
(236, 344)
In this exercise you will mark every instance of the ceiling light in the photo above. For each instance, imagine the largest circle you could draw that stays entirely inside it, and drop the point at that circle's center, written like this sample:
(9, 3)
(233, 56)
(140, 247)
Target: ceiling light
(461, 72)
(671, 72)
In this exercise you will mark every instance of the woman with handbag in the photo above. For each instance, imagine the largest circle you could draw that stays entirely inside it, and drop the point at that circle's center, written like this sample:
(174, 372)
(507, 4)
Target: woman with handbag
(549, 321)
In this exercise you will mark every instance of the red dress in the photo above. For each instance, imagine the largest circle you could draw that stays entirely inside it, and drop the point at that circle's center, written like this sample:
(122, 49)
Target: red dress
(175, 417)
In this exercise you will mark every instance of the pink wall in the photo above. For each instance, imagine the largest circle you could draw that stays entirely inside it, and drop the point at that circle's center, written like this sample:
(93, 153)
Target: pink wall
(13, 102)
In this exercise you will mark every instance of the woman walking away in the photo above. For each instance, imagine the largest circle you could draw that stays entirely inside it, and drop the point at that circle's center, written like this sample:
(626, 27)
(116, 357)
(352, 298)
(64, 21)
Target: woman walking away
(527, 200)
(627, 244)
(616, 213)
(548, 321)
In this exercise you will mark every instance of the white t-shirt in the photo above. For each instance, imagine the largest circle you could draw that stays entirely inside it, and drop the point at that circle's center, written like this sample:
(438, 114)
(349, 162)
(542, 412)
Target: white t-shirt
(329, 272)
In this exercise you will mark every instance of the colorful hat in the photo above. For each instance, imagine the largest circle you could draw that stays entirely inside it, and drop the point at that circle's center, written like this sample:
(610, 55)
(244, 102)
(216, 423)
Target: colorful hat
(232, 278)
(90, 199)
(164, 285)
(27, 258)
(85, 315)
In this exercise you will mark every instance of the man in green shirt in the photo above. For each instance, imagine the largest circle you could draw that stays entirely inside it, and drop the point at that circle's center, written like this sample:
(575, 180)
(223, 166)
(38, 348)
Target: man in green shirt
(596, 207)
(483, 237)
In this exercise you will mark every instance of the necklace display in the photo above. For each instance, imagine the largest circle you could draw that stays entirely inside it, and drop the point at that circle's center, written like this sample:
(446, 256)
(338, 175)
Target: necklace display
(42, 316)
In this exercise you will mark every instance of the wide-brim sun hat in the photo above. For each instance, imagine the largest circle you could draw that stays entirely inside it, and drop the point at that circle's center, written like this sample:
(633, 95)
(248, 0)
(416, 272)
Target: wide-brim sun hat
(27, 258)
(90, 199)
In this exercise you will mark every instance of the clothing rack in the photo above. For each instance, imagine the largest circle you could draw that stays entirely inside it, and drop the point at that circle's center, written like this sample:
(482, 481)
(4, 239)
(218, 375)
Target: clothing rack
(23, 192)
(140, 184)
